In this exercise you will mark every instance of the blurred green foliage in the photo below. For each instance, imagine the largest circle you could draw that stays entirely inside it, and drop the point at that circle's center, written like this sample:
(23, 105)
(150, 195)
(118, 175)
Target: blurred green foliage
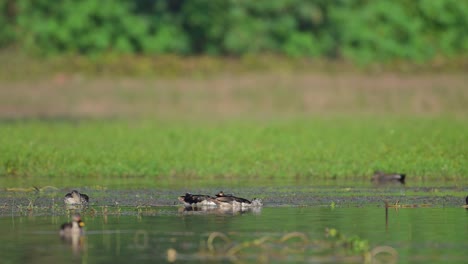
(7, 22)
(362, 31)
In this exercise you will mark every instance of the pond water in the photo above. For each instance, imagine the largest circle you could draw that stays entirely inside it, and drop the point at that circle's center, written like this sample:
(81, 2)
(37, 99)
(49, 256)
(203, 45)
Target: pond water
(426, 229)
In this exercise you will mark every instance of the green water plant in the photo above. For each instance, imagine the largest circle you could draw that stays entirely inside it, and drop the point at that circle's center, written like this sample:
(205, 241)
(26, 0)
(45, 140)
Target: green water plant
(353, 243)
(293, 246)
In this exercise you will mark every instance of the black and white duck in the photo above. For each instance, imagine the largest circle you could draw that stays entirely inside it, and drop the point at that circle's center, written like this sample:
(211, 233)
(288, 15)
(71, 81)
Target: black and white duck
(74, 228)
(197, 200)
(381, 177)
(76, 198)
(229, 200)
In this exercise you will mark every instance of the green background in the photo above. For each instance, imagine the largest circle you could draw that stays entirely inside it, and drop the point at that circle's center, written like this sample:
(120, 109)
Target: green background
(361, 31)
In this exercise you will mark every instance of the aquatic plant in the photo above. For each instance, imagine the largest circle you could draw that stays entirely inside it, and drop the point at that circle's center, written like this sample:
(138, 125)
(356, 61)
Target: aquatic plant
(398, 205)
(354, 243)
(292, 246)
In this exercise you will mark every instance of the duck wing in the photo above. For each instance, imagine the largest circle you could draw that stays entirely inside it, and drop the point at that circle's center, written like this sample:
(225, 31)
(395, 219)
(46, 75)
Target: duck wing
(225, 199)
(66, 226)
(396, 177)
(200, 198)
(241, 200)
(85, 197)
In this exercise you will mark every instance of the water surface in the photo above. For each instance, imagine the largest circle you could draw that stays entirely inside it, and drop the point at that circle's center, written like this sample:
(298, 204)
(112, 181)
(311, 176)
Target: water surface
(149, 225)
(419, 235)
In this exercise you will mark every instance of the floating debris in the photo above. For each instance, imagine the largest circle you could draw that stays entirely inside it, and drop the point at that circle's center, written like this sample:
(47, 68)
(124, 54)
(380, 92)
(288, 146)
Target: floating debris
(398, 205)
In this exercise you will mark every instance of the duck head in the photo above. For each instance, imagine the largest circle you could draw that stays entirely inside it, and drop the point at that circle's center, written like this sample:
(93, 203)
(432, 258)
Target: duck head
(183, 198)
(77, 219)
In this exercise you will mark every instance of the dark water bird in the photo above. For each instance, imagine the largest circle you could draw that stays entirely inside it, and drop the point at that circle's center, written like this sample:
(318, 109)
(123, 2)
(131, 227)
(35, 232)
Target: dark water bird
(76, 198)
(74, 228)
(223, 199)
(466, 205)
(381, 177)
(197, 200)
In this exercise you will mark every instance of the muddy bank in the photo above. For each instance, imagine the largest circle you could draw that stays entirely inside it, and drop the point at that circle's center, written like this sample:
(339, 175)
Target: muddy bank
(51, 201)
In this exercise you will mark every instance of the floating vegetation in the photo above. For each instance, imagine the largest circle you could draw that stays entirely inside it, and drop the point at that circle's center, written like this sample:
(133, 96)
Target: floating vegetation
(398, 205)
(294, 246)
(32, 189)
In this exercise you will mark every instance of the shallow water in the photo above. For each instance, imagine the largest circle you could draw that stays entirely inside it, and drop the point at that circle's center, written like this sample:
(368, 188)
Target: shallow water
(153, 228)
(419, 235)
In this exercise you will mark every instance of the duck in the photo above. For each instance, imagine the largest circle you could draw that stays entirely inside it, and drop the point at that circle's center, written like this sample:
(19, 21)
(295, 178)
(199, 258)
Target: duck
(73, 228)
(76, 198)
(466, 205)
(229, 200)
(381, 177)
(196, 200)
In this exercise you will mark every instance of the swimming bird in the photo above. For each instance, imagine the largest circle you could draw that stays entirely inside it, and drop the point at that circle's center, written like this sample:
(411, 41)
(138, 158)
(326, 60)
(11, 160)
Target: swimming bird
(381, 177)
(227, 200)
(196, 200)
(76, 198)
(74, 228)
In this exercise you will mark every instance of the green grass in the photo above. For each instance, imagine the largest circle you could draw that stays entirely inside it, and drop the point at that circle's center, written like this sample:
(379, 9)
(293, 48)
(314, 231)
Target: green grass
(152, 153)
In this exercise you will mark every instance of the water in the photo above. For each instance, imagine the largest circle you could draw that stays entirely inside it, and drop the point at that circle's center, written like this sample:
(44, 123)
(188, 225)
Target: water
(153, 234)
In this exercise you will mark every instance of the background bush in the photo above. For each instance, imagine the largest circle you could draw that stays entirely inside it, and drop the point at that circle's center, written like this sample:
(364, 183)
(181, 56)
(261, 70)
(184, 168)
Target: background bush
(359, 30)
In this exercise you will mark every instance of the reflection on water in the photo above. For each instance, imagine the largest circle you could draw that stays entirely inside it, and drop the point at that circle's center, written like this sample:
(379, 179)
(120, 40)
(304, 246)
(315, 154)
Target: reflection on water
(76, 242)
(219, 210)
(412, 235)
